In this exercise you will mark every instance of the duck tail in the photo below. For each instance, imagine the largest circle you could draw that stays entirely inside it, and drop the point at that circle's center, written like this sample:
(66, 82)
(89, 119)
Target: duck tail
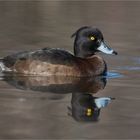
(2, 69)
(2, 66)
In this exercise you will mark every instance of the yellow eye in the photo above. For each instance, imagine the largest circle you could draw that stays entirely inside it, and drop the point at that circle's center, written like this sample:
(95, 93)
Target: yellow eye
(89, 112)
(92, 38)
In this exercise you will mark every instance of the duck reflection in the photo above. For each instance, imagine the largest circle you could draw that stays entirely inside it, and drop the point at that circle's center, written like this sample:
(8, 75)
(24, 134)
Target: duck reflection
(56, 84)
(84, 106)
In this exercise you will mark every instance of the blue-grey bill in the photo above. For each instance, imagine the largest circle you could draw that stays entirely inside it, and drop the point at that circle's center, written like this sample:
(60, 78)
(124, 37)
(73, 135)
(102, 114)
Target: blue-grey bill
(105, 49)
(102, 102)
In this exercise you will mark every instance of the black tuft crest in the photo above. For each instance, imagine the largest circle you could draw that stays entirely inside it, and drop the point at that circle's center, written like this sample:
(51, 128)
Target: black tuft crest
(74, 34)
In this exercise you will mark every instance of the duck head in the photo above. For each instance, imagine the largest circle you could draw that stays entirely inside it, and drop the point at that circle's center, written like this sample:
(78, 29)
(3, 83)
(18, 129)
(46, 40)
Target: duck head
(88, 41)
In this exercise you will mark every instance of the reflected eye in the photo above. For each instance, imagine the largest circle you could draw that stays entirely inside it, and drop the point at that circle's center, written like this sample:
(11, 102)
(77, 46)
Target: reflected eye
(89, 112)
(92, 38)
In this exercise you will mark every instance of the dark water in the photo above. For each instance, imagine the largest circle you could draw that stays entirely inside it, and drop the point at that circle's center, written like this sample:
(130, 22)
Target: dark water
(66, 107)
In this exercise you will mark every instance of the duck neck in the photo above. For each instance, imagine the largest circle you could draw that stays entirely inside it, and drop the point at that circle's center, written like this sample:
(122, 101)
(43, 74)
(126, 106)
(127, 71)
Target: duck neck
(80, 51)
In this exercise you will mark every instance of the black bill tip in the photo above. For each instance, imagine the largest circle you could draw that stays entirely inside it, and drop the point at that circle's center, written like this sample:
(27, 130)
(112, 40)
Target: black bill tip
(114, 52)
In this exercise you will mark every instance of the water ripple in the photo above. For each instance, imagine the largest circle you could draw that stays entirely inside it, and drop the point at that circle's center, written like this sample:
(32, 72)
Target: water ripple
(113, 75)
(129, 68)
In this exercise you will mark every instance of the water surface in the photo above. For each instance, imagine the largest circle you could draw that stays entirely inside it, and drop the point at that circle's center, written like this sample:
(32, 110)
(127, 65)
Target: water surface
(49, 107)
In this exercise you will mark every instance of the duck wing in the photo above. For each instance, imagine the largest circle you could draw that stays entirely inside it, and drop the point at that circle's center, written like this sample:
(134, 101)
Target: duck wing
(51, 55)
